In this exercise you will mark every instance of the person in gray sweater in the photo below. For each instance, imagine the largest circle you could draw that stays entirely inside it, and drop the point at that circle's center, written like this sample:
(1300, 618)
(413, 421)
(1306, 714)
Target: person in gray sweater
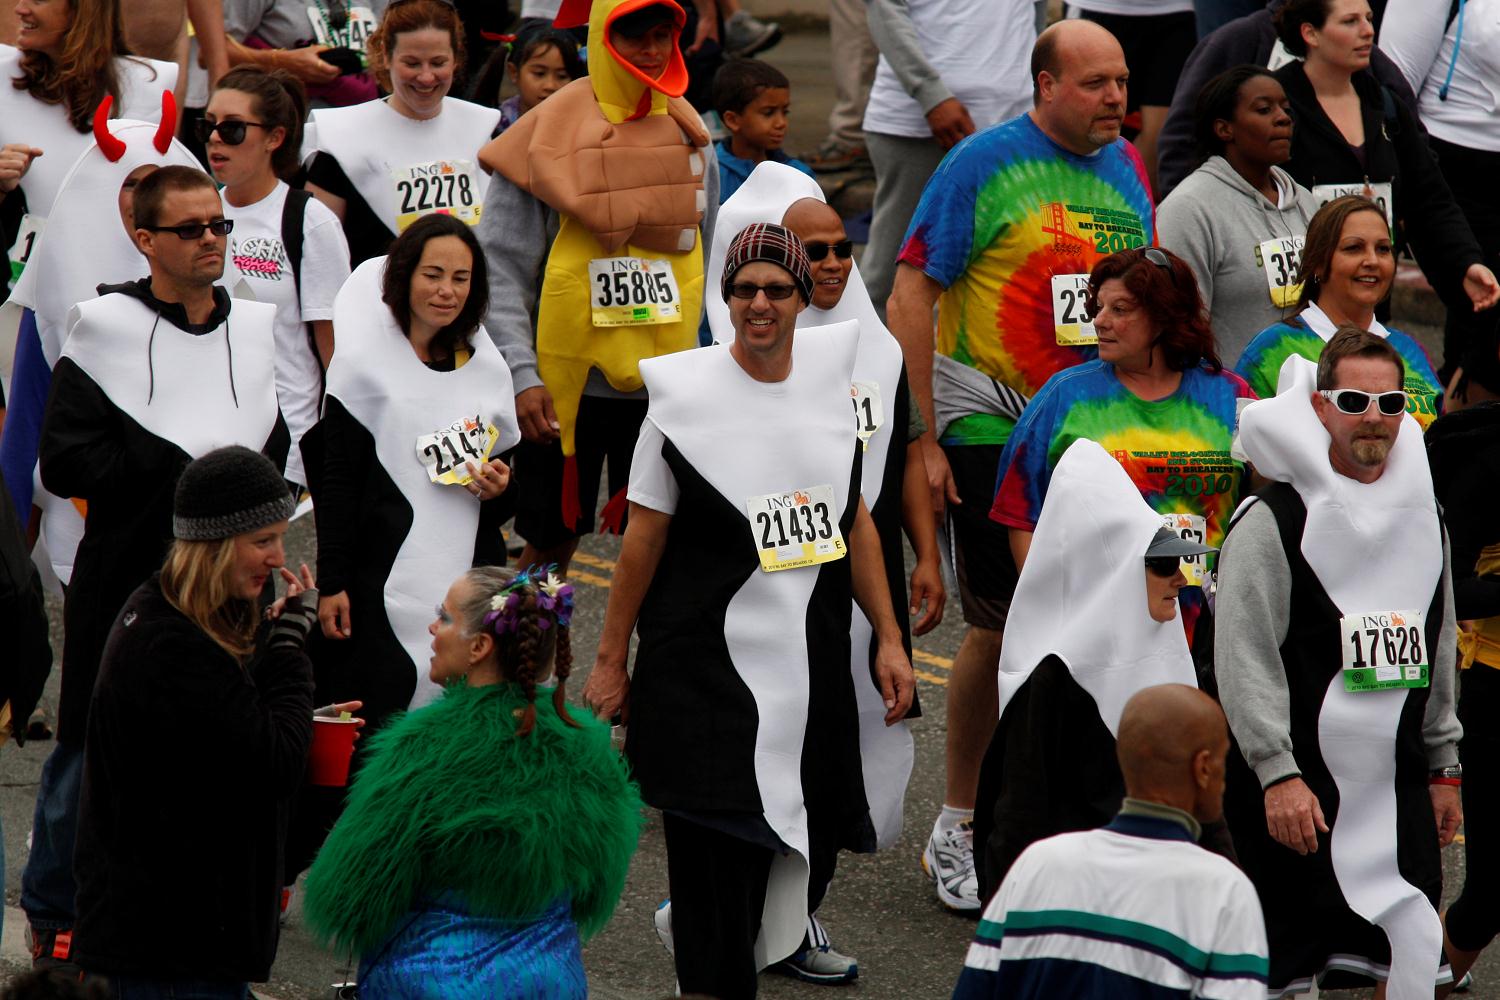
(1334, 659)
(1239, 219)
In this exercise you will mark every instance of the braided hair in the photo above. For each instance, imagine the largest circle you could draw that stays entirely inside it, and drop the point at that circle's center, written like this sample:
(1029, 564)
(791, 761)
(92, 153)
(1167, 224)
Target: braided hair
(528, 614)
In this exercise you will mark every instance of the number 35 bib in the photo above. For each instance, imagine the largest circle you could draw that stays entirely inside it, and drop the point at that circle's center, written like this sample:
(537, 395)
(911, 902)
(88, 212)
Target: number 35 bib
(446, 453)
(632, 291)
(1385, 649)
(449, 187)
(795, 529)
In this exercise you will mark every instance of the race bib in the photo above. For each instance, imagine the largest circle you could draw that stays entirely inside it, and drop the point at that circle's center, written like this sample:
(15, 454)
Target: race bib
(795, 529)
(353, 35)
(1193, 528)
(1070, 317)
(1380, 194)
(1280, 258)
(26, 237)
(866, 396)
(1384, 650)
(445, 454)
(632, 291)
(445, 187)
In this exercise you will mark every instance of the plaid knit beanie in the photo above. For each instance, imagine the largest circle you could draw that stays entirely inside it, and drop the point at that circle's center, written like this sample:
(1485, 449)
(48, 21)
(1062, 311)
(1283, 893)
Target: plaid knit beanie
(766, 241)
(228, 492)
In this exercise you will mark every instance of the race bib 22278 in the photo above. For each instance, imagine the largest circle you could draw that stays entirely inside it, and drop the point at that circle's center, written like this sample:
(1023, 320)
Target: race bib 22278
(446, 187)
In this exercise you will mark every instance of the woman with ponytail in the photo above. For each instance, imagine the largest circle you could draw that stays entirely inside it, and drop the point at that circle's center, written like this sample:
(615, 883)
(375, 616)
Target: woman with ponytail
(490, 832)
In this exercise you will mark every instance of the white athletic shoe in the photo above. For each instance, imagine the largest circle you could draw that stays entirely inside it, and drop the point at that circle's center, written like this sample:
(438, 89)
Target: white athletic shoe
(948, 860)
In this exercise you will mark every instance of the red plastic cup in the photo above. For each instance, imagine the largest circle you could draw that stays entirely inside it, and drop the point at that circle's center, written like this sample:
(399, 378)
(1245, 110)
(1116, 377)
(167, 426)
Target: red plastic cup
(332, 748)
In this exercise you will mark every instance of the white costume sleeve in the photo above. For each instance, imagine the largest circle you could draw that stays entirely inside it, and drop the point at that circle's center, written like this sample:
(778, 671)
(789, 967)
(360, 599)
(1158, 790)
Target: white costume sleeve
(651, 481)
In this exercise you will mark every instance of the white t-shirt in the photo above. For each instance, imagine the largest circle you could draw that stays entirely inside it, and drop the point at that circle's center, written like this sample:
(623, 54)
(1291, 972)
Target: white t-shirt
(257, 254)
(652, 483)
(1133, 8)
(1421, 38)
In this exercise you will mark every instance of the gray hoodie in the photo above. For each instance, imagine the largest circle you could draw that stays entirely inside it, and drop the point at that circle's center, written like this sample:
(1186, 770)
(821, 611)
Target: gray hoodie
(1216, 222)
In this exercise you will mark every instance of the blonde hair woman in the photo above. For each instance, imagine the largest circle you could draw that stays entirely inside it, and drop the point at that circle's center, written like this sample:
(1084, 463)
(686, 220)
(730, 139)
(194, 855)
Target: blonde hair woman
(198, 736)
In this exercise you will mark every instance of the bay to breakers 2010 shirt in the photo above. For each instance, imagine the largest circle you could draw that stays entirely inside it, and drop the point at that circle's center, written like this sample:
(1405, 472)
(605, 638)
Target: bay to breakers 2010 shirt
(1175, 450)
(1004, 222)
(742, 704)
(1307, 332)
(1135, 909)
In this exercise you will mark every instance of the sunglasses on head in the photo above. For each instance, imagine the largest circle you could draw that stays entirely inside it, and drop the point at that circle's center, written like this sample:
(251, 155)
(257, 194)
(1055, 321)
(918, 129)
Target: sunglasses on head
(746, 290)
(817, 250)
(231, 133)
(1356, 401)
(1163, 566)
(1158, 258)
(194, 230)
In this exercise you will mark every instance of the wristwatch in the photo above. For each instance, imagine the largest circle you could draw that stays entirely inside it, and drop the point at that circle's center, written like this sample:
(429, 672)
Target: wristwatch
(1447, 775)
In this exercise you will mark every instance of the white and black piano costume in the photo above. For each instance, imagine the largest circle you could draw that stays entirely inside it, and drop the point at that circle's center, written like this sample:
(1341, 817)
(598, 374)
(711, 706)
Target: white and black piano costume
(388, 535)
(1079, 643)
(137, 394)
(882, 402)
(1364, 903)
(742, 709)
(84, 245)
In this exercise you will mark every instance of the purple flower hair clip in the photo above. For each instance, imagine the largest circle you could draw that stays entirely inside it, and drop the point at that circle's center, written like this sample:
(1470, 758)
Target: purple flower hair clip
(554, 598)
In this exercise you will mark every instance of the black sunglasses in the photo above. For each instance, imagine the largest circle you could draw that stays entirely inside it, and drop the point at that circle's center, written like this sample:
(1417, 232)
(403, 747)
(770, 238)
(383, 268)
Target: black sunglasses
(194, 230)
(1356, 402)
(1163, 566)
(745, 290)
(817, 250)
(231, 133)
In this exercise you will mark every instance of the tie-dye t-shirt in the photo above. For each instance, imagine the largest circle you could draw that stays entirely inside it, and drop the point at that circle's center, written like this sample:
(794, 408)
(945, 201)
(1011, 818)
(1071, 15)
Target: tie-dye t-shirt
(1176, 450)
(1008, 209)
(1261, 363)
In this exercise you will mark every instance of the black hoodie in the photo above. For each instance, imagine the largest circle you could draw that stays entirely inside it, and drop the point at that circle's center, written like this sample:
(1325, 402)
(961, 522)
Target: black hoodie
(93, 451)
(1463, 448)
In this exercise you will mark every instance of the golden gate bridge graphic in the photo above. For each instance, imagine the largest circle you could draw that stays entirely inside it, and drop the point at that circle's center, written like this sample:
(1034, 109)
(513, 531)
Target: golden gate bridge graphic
(1065, 238)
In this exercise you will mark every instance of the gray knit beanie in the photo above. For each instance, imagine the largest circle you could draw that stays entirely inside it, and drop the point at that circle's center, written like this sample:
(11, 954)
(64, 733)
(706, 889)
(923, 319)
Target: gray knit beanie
(229, 492)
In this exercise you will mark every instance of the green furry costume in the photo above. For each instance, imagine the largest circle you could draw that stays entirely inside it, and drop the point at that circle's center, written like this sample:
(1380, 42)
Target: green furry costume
(452, 801)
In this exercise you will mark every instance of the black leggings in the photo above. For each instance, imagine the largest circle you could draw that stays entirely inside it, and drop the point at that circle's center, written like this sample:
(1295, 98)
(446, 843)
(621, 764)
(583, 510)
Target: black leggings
(1469, 336)
(1474, 918)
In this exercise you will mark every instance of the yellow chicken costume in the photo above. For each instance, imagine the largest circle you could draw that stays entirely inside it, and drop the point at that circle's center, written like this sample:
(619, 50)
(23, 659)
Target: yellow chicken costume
(619, 156)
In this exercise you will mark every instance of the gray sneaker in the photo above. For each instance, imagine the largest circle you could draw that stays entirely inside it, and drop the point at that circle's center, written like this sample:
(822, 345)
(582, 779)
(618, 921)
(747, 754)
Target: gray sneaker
(818, 963)
(745, 34)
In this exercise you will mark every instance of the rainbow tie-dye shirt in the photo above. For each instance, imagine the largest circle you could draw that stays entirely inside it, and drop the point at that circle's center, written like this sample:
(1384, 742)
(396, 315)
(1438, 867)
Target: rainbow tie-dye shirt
(1006, 211)
(1261, 363)
(1176, 450)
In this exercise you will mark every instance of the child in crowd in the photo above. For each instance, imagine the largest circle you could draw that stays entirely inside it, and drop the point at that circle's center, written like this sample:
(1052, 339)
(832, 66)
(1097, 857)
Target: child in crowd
(753, 100)
(541, 62)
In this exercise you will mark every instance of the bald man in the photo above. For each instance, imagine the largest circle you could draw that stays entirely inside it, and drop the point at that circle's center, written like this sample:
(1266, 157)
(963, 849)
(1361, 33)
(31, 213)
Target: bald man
(1137, 908)
(1002, 243)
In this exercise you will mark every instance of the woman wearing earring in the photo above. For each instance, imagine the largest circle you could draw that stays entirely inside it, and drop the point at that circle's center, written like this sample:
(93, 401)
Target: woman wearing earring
(288, 247)
(1347, 268)
(1354, 137)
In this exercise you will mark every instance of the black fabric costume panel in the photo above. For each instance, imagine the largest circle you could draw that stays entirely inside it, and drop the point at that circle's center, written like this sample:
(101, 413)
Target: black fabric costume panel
(1307, 915)
(693, 720)
(366, 234)
(1050, 768)
(888, 520)
(362, 520)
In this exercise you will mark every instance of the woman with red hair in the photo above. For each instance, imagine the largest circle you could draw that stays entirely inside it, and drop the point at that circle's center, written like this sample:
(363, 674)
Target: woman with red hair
(1157, 399)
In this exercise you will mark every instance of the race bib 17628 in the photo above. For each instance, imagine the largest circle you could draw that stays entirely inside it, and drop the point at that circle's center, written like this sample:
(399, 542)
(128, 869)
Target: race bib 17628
(1385, 649)
(797, 528)
(447, 187)
(631, 291)
(446, 454)
(867, 409)
(1281, 258)
(1070, 315)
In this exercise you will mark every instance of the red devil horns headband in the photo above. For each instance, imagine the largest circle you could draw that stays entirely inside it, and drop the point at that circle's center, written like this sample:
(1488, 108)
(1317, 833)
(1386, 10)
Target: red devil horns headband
(114, 148)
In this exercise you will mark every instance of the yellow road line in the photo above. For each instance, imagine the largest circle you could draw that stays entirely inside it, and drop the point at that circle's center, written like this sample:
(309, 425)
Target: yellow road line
(595, 580)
